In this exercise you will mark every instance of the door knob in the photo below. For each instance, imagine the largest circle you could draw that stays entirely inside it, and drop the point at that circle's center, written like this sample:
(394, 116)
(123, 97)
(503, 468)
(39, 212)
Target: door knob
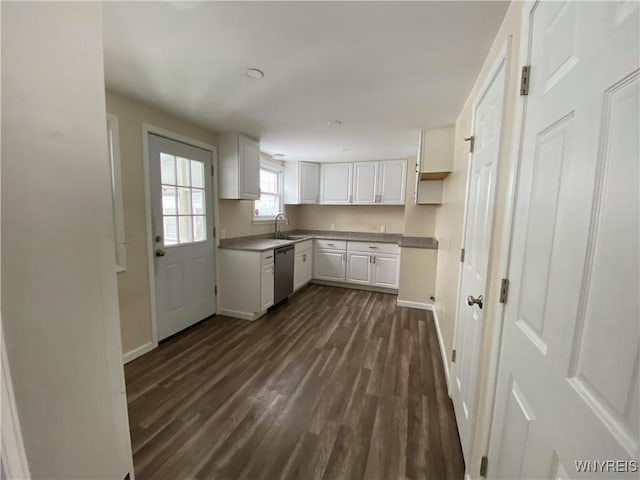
(478, 301)
(160, 252)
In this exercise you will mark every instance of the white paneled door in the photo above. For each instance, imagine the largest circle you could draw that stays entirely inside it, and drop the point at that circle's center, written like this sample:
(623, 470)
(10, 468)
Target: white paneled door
(567, 397)
(481, 187)
(182, 223)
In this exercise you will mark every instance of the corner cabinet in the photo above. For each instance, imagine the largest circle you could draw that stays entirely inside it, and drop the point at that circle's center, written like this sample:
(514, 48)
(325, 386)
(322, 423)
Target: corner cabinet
(238, 167)
(301, 183)
(336, 183)
(329, 260)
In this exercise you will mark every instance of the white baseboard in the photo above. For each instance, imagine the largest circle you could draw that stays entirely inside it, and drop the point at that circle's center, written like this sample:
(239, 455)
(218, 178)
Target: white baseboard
(443, 352)
(137, 352)
(418, 305)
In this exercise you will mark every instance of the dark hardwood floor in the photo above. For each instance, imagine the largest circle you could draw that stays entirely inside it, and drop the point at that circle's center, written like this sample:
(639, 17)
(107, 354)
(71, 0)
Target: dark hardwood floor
(337, 383)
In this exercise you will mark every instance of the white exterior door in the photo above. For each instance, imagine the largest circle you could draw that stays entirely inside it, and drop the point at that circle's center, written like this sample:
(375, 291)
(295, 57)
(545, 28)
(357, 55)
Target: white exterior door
(336, 183)
(392, 182)
(182, 221)
(365, 183)
(568, 376)
(478, 224)
(359, 268)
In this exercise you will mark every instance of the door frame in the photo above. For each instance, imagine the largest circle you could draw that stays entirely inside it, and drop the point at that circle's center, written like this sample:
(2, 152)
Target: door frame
(13, 454)
(504, 254)
(502, 60)
(151, 129)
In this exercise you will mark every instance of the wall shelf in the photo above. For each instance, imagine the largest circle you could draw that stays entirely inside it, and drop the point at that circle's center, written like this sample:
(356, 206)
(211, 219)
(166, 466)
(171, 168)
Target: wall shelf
(425, 176)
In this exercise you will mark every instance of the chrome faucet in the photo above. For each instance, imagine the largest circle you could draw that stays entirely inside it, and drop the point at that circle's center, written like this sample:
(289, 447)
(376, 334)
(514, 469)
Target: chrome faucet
(277, 233)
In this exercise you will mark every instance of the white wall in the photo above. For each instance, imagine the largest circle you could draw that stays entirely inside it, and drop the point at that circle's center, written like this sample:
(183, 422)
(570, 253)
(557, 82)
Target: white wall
(60, 305)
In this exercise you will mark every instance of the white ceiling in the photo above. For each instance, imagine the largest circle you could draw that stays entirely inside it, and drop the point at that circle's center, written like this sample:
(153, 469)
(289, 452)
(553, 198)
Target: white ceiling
(385, 69)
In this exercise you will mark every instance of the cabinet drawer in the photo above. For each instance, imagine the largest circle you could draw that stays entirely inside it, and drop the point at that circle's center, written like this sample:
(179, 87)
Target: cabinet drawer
(331, 244)
(266, 257)
(374, 247)
(303, 246)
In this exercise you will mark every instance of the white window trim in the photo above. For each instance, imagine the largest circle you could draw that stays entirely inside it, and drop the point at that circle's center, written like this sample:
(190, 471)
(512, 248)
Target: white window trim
(267, 164)
(113, 140)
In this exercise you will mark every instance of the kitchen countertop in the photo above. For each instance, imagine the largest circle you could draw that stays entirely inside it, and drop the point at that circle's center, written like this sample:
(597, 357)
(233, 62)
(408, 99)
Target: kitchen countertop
(260, 243)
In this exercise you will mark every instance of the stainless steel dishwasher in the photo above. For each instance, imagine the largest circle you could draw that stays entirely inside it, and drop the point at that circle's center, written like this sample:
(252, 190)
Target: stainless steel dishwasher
(284, 261)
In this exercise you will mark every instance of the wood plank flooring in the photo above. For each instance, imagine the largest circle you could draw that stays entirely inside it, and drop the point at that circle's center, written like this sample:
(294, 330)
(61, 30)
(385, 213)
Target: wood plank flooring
(336, 384)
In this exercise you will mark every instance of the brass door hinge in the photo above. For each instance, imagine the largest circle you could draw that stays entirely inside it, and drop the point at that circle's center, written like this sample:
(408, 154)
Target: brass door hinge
(462, 252)
(453, 356)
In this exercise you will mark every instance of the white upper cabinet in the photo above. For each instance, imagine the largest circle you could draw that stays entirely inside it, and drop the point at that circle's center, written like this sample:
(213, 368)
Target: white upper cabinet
(434, 163)
(239, 167)
(365, 183)
(301, 183)
(336, 183)
(436, 150)
(392, 182)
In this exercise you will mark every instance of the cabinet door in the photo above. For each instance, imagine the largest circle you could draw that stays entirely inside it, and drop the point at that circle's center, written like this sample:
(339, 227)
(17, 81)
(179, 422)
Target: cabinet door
(309, 182)
(329, 265)
(249, 158)
(298, 271)
(365, 183)
(359, 268)
(302, 270)
(266, 286)
(386, 271)
(392, 182)
(335, 183)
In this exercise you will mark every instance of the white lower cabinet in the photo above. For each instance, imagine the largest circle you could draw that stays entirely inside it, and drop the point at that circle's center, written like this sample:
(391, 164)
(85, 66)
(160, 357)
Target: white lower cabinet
(329, 265)
(374, 264)
(386, 271)
(303, 266)
(266, 285)
(359, 268)
(246, 283)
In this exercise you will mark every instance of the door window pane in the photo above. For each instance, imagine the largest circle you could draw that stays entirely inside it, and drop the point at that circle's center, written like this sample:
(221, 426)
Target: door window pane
(199, 226)
(168, 168)
(184, 201)
(183, 166)
(185, 229)
(170, 230)
(197, 201)
(168, 200)
(197, 174)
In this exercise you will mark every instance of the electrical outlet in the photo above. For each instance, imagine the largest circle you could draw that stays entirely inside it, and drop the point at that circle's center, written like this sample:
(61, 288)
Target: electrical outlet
(383, 228)
(333, 226)
(223, 233)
